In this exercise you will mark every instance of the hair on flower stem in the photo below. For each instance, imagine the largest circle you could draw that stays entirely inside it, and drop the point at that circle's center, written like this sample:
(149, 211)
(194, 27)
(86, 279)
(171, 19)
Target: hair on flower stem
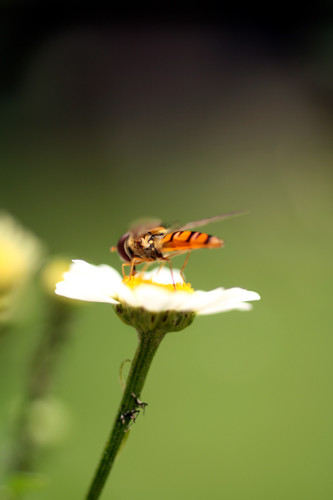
(121, 376)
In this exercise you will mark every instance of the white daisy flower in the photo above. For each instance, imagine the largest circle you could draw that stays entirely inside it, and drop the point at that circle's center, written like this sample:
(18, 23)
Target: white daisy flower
(154, 303)
(153, 292)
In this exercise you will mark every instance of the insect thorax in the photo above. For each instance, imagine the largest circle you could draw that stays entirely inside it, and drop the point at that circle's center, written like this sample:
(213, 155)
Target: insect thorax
(146, 246)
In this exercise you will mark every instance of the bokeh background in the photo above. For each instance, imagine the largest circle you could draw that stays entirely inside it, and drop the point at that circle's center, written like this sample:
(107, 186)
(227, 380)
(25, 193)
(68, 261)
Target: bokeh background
(105, 120)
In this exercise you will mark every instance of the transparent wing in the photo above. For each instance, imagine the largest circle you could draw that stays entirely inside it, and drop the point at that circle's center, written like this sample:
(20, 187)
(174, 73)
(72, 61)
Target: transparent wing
(142, 226)
(209, 220)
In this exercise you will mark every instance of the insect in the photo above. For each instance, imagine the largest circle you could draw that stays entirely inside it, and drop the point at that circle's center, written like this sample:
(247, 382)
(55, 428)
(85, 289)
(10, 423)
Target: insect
(151, 241)
(129, 416)
(139, 403)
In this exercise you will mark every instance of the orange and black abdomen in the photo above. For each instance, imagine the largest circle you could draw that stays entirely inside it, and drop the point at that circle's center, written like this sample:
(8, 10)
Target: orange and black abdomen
(189, 240)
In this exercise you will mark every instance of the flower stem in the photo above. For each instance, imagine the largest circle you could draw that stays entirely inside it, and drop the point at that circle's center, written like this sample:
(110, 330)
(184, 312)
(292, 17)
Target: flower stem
(147, 347)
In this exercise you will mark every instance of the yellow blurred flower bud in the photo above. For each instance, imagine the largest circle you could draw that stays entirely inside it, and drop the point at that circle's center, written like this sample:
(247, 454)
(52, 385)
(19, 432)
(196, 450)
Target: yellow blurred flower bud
(20, 253)
(20, 256)
(52, 273)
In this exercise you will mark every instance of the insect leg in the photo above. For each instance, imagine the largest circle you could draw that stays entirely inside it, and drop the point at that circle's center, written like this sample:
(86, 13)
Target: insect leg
(129, 416)
(133, 263)
(172, 277)
(161, 266)
(132, 268)
(135, 260)
(139, 403)
(145, 267)
(185, 264)
(123, 266)
(132, 271)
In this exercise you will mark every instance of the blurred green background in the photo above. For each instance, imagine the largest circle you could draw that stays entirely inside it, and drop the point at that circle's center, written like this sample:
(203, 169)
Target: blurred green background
(102, 125)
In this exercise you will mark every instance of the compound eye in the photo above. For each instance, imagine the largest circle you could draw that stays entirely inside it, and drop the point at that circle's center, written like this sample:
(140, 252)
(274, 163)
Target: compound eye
(121, 248)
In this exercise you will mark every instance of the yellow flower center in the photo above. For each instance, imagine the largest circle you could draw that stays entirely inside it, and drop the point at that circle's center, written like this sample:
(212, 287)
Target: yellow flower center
(134, 281)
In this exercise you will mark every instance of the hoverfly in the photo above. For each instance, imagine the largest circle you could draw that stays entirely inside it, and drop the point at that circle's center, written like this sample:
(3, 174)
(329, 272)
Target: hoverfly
(151, 241)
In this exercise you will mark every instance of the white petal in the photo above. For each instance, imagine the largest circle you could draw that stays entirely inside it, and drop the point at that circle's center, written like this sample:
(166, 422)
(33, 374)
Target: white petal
(156, 299)
(150, 297)
(230, 306)
(199, 300)
(85, 281)
(104, 284)
(230, 299)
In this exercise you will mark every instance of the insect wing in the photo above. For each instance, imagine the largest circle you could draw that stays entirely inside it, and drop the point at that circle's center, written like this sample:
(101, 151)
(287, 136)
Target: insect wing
(185, 239)
(209, 220)
(143, 226)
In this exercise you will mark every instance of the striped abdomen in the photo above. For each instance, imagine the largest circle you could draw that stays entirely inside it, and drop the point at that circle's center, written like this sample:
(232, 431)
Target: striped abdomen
(189, 240)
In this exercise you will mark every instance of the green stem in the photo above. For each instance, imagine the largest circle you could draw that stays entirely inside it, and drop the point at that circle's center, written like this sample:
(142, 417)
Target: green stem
(39, 382)
(147, 347)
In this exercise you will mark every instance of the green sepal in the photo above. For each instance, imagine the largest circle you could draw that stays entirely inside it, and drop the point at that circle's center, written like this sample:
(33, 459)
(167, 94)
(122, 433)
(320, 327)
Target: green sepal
(157, 322)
